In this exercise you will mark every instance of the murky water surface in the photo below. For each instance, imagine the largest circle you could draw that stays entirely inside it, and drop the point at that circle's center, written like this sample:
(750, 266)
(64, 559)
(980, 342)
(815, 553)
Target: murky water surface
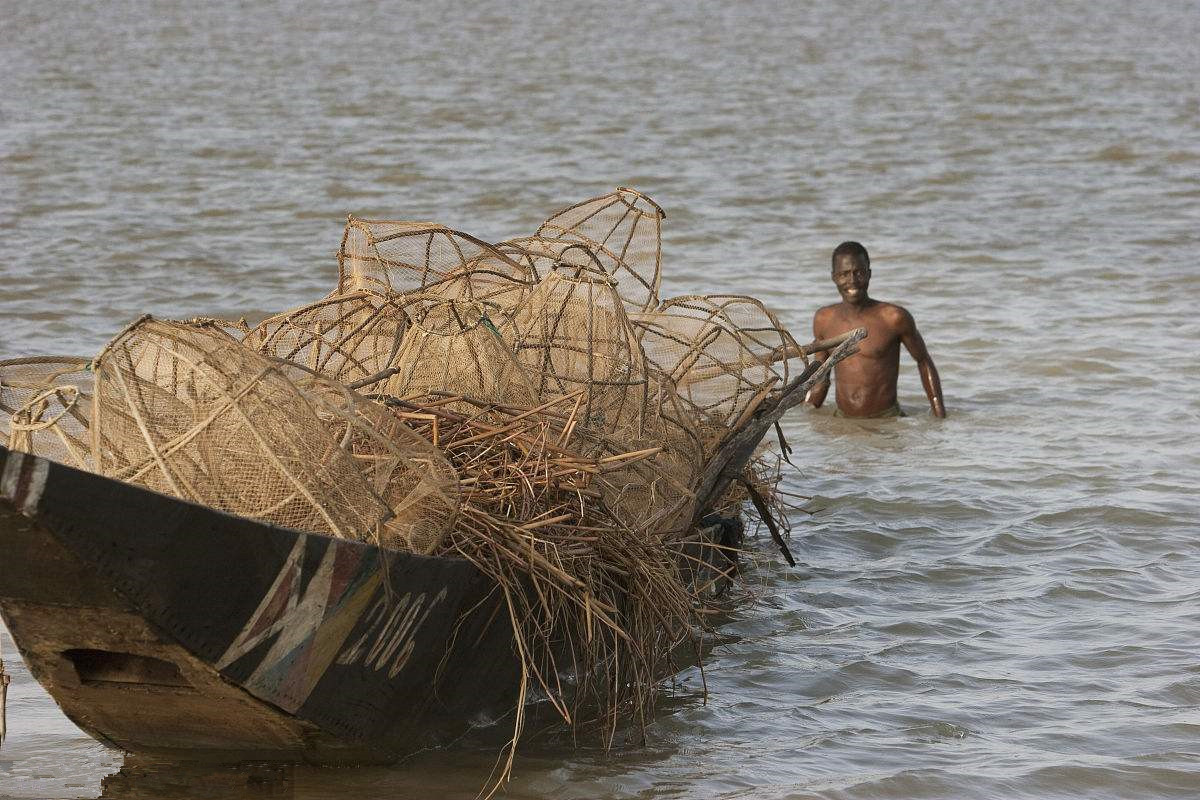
(1003, 604)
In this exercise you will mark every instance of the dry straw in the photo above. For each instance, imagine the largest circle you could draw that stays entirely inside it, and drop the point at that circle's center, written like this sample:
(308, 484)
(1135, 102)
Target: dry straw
(591, 594)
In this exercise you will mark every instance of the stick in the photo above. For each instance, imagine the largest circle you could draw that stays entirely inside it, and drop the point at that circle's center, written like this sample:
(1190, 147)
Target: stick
(733, 453)
(819, 346)
(776, 355)
(4, 681)
(760, 505)
(822, 345)
(376, 378)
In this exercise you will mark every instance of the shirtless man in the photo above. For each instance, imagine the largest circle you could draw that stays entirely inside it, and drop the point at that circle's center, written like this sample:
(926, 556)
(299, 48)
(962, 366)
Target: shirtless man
(866, 381)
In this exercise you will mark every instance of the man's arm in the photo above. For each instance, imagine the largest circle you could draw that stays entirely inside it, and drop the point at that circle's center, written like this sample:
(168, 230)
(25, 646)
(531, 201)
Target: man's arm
(915, 344)
(816, 395)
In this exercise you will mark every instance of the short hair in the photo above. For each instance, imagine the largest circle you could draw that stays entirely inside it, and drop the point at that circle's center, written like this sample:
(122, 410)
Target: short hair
(852, 249)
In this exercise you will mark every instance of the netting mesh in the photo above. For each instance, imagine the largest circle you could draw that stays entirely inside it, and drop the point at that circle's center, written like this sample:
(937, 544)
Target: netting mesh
(189, 411)
(572, 335)
(398, 257)
(455, 348)
(655, 491)
(346, 337)
(47, 403)
(540, 256)
(721, 353)
(624, 230)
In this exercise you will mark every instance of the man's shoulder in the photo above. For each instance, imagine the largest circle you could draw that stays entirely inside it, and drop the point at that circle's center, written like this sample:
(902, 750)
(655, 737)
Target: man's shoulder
(826, 318)
(892, 313)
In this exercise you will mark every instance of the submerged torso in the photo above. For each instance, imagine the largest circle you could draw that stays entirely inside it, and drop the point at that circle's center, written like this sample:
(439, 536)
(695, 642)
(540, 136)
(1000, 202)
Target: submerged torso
(865, 383)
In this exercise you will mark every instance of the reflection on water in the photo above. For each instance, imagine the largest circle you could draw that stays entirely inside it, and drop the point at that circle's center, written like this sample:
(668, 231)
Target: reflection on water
(144, 779)
(150, 780)
(459, 774)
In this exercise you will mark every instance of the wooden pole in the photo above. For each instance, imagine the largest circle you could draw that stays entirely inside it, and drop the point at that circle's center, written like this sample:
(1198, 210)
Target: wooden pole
(738, 448)
(819, 346)
(773, 357)
(4, 680)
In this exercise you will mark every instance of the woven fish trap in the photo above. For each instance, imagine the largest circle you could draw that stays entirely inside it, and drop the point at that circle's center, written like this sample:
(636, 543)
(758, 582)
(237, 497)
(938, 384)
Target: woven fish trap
(45, 407)
(572, 334)
(421, 490)
(624, 230)
(657, 493)
(541, 256)
(345, 337)
(454, 348)
(499, 292)
(190, 411)
(399, 257)
(722, 354)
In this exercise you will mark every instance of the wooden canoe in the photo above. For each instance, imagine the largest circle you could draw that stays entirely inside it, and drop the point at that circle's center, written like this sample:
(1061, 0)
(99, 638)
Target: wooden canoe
(164, 627)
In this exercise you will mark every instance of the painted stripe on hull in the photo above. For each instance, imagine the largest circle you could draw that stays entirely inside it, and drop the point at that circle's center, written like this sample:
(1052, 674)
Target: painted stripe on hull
(23, 481)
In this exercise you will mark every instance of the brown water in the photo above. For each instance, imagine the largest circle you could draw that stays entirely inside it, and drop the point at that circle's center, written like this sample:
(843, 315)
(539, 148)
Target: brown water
(1003, 604)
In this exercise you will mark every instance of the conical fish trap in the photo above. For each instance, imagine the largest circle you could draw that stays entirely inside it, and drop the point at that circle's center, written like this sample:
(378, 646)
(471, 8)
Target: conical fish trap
(402, 257)
(655, 492)
(456, 349)
(347, 338)
(47, 402)
(721, 353)
(193, 413)
(571, 335)
(498, 286)
(417, 484)
(541, 256)
(624, 230)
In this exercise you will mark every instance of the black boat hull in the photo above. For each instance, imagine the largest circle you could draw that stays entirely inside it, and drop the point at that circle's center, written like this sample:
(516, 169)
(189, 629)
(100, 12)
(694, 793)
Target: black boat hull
(165, 627)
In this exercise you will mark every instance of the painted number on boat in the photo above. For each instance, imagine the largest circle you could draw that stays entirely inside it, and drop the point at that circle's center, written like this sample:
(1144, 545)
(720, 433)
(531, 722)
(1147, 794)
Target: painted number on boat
(390, 636)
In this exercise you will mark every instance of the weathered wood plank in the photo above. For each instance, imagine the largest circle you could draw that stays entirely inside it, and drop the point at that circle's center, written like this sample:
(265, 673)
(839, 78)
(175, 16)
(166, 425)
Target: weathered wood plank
(734, 453)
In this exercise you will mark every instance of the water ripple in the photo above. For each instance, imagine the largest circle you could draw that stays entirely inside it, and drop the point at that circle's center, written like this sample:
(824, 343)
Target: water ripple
(1000, 604)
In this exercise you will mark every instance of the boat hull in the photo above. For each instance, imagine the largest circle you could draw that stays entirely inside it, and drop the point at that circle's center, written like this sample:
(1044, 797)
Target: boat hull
(165, 627)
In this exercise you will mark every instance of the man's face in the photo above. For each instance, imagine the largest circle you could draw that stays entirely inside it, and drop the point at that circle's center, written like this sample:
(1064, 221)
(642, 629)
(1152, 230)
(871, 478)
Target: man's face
(851, 279)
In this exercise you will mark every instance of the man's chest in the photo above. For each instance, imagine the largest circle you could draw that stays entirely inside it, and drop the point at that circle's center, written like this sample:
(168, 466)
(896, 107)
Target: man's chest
(882, 340)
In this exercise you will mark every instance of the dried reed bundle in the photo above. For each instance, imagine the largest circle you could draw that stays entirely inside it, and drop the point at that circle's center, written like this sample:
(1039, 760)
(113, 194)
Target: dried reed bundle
(590, 596)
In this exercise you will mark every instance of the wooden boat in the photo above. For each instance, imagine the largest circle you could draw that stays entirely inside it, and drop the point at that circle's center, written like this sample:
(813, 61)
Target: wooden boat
(160, 625)
(167, 628)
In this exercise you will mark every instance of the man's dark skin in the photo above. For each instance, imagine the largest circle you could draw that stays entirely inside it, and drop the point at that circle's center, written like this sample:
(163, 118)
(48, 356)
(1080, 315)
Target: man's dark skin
(866, 381)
